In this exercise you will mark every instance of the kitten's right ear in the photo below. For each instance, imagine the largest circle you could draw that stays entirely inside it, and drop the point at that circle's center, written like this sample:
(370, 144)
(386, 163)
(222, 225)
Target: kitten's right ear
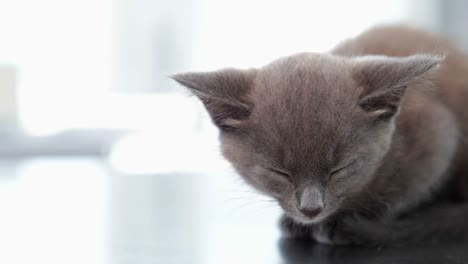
(224, 94)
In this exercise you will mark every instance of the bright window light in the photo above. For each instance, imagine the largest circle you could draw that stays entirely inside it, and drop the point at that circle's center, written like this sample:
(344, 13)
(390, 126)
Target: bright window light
(68, 54)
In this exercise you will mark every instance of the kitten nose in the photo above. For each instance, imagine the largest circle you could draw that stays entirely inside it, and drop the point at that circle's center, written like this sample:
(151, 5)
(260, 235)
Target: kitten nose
(310, 202)
(311, 212)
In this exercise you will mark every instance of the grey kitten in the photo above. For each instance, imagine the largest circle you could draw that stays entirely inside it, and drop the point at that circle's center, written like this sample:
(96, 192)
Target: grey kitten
(363, 145)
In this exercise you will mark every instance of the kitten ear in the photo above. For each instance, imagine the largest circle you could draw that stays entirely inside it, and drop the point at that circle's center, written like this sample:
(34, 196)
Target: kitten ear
(385, 80)
(223, 92)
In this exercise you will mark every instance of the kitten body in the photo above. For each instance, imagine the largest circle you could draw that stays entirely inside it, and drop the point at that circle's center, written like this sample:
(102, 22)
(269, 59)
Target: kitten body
(352, 143)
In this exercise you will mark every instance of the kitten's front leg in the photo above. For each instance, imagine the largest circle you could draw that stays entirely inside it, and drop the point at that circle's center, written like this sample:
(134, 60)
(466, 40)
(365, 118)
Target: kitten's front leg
(292, 229)
(345, 230)
(435, 224)
(325, 233)
(351, 230)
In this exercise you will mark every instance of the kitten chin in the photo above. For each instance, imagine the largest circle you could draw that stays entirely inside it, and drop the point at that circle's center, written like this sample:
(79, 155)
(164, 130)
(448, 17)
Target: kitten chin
(370, 131)
(308, 221)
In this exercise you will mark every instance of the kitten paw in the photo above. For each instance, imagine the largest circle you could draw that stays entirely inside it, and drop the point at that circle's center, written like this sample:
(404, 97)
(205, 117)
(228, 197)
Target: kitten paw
(347, 232)
(291, 229)
(326, 233)
(330, 233)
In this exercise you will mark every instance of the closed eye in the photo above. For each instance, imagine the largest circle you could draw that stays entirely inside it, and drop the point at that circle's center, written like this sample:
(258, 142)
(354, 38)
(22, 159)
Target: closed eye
(335, 171)
(341, 168)
(282, 173)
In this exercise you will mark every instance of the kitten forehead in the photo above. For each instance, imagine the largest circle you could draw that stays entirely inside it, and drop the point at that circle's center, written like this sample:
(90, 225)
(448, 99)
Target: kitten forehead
(306, 76)
(304, 103)
(307, 63)
(306, 85)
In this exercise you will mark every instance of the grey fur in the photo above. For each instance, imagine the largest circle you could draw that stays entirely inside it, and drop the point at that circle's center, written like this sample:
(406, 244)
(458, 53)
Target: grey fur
(370, 132)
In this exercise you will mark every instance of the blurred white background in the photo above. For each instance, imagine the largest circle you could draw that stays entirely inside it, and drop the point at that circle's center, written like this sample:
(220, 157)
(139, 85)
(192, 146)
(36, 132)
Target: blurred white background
(77, 76)
(89, 78)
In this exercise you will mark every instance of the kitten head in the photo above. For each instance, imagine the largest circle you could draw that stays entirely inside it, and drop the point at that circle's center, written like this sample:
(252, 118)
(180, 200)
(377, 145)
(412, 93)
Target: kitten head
(309, 130)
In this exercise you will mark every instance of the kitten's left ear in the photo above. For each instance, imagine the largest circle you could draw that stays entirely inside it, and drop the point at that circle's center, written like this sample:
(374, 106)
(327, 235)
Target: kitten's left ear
(385, 80)
(224, 94)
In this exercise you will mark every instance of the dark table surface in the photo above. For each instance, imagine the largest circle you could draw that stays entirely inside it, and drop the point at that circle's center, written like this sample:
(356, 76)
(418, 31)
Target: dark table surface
(298, 252)
(80, 211)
